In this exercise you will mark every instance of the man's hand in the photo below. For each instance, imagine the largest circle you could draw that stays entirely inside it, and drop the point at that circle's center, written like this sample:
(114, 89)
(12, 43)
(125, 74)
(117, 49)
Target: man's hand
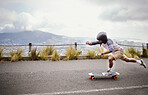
(99, 54)
(89, 43)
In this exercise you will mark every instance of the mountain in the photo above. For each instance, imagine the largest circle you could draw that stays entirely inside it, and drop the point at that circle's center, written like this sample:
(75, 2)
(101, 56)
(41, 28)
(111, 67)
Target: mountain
(35, 37)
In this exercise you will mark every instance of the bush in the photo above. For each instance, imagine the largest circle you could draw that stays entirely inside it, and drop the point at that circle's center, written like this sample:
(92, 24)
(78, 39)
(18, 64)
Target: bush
(55, 56)
(99, 50)
(145, 53)
(72, 53)
(43, 54)
(91, 54)
(1, 53)
(16, 55)
(49, 50)
(132, 53)
(34, 54)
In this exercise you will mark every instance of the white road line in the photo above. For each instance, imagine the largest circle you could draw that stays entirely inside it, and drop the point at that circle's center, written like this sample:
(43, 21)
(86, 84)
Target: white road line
(93, 90)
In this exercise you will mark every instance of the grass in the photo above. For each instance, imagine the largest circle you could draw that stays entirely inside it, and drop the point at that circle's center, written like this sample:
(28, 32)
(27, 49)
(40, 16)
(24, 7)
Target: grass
(71, 53)
(49, 50)
(45, 52)
(132, 53)
(1, 53)
(16, 55)
(91, 54)
(145, 52)
(55, 56)
(34, 54)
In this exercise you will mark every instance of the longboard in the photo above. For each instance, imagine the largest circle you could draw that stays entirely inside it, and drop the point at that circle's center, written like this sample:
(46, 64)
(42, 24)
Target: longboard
(104, 74)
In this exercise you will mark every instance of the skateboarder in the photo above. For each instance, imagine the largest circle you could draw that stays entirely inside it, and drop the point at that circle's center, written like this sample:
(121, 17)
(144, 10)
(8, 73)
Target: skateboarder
(115, 49)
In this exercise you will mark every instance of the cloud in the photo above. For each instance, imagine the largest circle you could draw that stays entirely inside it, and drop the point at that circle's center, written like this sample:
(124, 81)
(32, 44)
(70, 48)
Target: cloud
(122, 10)
(76, 17)
(7, 16)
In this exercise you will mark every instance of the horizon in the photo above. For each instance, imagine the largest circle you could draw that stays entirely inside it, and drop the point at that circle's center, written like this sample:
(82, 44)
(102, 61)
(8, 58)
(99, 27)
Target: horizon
(77, 18)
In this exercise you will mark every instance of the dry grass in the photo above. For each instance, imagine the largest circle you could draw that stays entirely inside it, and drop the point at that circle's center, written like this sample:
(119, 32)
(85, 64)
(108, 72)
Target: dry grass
(49, 50)
(91, 54)
(71, 53)
(16, 55)
(132, 53)
(55, 56)
(45, 52)
(1, 53)
(34, 54)
(144, 53)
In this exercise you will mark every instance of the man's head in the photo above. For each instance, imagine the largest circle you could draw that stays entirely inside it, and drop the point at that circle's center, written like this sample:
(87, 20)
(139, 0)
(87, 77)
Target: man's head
(102, 37)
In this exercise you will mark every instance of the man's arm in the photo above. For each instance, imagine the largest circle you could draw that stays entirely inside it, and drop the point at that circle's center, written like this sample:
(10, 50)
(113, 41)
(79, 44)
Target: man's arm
(102, 53)
(92, 43)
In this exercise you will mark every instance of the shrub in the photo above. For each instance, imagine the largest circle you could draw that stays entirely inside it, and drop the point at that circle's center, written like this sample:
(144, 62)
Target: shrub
(132, 53)
(145, 53)
(16, 55)
(55, 56)
(72, 53)
(99, 50)
(1, 53)
(91, 54)
(43, 54)
(49, 50)
(34, 54)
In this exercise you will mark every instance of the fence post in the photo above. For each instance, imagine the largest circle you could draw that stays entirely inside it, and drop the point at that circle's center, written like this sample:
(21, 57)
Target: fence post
(75, 45)
(30, 44)
(147, 46)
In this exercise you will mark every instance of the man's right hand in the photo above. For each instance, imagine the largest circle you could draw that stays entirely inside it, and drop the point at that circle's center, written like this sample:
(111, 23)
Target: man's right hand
(89, 43)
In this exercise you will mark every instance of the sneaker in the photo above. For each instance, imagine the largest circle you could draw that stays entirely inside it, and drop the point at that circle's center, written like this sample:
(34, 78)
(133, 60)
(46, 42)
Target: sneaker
(108, 71)
(142, 63)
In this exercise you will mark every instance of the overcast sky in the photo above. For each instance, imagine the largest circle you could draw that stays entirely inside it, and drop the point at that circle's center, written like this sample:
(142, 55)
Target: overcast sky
(77, 18)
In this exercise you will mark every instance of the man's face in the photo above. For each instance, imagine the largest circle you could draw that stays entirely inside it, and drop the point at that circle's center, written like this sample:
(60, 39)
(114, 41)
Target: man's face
(100, 41)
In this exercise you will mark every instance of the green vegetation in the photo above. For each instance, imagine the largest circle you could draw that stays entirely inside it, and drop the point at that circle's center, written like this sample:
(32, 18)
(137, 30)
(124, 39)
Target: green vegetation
(16, 55)
(72, 53)
(1, 53)
(99, 50)
(45, 52)
(49, 50)
(55, 56)
(144, 53)
(91, 54)
(34, 54)
(132, 53)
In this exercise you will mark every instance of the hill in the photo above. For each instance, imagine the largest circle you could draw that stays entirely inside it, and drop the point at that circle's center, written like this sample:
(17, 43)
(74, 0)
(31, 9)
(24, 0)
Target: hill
(36, 37)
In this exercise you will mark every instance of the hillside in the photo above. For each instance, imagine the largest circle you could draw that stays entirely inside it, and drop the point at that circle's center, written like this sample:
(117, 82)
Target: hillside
(36, 37)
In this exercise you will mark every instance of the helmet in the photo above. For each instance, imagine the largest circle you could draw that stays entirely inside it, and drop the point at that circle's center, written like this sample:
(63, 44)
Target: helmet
(102, 36)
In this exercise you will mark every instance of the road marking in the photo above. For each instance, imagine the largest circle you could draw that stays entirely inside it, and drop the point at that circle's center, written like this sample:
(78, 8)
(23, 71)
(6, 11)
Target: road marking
(93, 90)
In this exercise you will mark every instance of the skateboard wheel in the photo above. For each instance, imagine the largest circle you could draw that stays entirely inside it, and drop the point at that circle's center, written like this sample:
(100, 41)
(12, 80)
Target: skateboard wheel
(115, 77)
(93, 78)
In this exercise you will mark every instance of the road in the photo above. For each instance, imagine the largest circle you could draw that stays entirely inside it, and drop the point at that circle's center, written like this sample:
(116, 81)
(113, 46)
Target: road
(71, 78)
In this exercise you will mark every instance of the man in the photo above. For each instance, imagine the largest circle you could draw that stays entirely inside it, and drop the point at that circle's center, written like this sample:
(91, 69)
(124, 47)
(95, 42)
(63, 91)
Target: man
(115, 49)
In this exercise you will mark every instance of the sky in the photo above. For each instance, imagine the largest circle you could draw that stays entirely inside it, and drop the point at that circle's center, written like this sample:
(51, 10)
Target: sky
(126, 19)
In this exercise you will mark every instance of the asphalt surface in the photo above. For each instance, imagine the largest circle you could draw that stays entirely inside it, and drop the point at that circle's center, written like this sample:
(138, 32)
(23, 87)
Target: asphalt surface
(71, 77)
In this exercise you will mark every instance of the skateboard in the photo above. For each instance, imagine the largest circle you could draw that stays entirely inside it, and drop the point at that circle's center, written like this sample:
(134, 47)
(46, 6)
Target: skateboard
(114, 75)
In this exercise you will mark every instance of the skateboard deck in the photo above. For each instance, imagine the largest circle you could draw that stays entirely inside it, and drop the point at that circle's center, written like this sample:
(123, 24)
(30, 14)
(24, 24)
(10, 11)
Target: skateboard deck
(104, 74)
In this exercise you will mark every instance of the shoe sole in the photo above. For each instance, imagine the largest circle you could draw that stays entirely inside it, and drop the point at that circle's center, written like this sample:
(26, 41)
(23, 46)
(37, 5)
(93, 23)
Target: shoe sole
(143, 64)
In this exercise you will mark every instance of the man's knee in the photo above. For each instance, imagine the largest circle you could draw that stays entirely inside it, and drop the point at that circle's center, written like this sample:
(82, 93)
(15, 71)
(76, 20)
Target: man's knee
(111, 59)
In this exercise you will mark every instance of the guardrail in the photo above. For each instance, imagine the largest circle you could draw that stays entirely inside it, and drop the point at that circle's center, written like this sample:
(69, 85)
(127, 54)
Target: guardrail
(30, 45)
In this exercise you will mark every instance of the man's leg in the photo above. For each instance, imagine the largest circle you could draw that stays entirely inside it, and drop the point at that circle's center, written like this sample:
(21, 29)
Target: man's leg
(111, 58)
(141, 62)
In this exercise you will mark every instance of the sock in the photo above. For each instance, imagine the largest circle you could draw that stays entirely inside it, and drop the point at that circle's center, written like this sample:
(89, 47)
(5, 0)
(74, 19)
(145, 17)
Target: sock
(138, 61)
(109, 69)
